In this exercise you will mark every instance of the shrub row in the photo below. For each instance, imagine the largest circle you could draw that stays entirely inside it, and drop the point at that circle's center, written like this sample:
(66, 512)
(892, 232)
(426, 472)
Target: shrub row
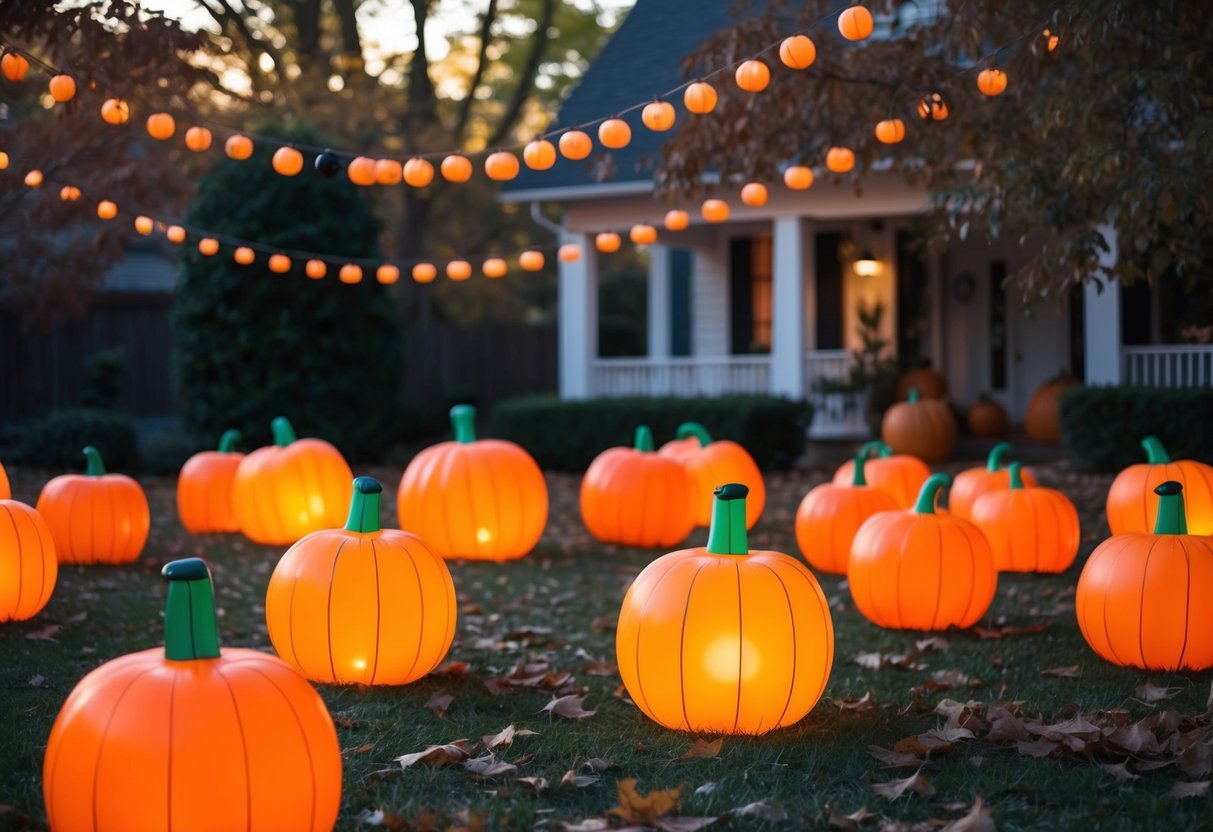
(1102, 427)
(58, 439)
(567, 435)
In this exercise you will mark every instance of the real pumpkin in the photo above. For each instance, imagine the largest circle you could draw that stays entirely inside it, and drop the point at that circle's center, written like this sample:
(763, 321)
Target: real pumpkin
(925, 428)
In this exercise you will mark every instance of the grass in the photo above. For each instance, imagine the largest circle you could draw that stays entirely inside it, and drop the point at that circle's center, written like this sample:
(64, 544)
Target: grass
(573, 587)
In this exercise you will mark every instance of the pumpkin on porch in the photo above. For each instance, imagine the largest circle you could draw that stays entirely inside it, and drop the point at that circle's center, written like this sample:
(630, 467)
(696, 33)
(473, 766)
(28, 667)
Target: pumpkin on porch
(722, 639)
(712, 463)
(929, 383)
(1131, 505)
(483, 499)
(204, 488)
(635, 497)
(1043, 419)
(972, 483)
(28, 565)
(1029, 529)
(192, 736)
(925, 428)
(1143, 599)
(918, 570)
(285, 490)
(97, 517)
(898, 475)
(987, 418)
(831, 514)
(361, 604)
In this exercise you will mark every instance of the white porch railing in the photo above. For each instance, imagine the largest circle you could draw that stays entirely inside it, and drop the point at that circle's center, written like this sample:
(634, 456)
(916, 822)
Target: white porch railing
(836, 415)
(684, 376)
(1174, 365)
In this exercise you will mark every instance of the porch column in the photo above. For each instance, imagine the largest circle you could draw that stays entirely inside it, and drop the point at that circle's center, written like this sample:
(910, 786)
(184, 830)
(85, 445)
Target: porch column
(788, 308)
(659, 302)
(1101, 321)
(577, 327)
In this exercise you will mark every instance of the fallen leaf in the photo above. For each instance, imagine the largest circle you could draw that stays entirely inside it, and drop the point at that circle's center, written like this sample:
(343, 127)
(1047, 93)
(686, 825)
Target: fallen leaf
(1119, 770)
(679, 824)
(934, 644)
(587, 825)
(1036, 748)
(1071, 671)
(488, 765)
(451, 668)
(1149, 693)
(37, 681)
(568, 707)
(46, 633)
(1182, 790)
(878, 661)
(599, 668)
(894, 789)
(895, 759)
(362, 749)
(851, 821)
(346, 722)
(439, 703)
(1209, 702)
(437, 756)
(535, 784)
(635, 807)
(1196, 761)
(863, 703)
(706, 788)
(505, 737)
(948, 679)
(1005, 726)
(979, 819)
(761, 811)
(1005, 632)
(703, 750)
(578, 781)
(77, 618)
(597, 764)
(387, 820)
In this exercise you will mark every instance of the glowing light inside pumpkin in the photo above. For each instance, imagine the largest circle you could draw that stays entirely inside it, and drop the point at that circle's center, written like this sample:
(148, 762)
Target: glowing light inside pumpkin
(720, 659)
(483, 535)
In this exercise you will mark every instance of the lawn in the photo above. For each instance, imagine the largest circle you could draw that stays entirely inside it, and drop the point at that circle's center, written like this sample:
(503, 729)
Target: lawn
(543, 627)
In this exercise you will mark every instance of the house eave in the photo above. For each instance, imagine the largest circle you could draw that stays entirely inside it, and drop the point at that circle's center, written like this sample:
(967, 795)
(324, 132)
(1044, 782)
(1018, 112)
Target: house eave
(575, 193)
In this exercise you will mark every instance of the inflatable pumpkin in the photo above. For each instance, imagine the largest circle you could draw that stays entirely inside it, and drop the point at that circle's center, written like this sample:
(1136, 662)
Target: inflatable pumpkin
(971, 483)
(6, 490)
(361, 605)
(711, 463)
(899, 475)
(1143, 598)
(918, 570)
(831, 514)
(97, 517)
(192, 736)
(1132, 505)
(483, 499)
(204, 488)
(636, 497)
(721, 639)
(28, 566)
(925, 428)
(1029, 529)
(288, 489)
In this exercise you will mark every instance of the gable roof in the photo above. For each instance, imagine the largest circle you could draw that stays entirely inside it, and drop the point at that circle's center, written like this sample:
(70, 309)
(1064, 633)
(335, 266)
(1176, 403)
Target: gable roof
(640, 60)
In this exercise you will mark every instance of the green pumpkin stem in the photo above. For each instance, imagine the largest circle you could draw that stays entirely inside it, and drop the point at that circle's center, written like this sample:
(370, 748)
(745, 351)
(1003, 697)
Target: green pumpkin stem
(1171, 519)
(882, 450)
(644, 439)
(95, 466)
(727, 533)
(230, 439)
(1016, 476)
(913, 397)
(190, 628)
(689, 429)
(857, 477)
(364, 506)
(998, 455)
(930, 492)
(1156, 454)
(463, 422)
(284, 434)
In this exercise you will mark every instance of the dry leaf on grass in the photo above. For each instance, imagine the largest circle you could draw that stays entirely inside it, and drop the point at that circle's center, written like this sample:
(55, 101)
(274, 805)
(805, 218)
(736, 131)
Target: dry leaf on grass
(860, 705)
(1150, 693)
(437, 756)
(934, 644)
(488, 765)
(1119, 770)
(440, 703)
(46, 633)
(916, 782)
(703, 750)
(362, 749)
(681, 824)
(879, 661)
(761, 811)
(979, 819)
(1182, 790)
(895, 759)
(505, 737)
(1006, 632)
(597, 668)
(644, 809)
(597, 764)
(1037, 748)
(452, 669)
(568, 707)
(1072, 671)
(535, 784)
(847, 822)
(577, 781)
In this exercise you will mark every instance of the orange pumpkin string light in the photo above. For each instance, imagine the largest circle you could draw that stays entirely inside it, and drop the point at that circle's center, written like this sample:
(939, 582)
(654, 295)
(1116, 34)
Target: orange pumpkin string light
(456, 168)
(711, 463)
(901, 476)
(614, 133)
(361, 604)
(798, 52)
(28, 565)
(1029, 529)
(752, 75)
(483, 499)
(115, 111)
(14, 66)
(62, 88)
(722, 639)
(198, 139)
(659, 116)
(699, 98)
(754, 194)
(918, 570)
(830, 515)
(991, 81)
(226, 738)
(676, 220)
(855, 23)
(925, 428)
(1131, 505)
(890, 131)
(6, 491)
(204, 488)
(539, 154)
(575, 145)
(95, 518)
(1143, 599)
(972, 483)
(798, 178)
(840, 159)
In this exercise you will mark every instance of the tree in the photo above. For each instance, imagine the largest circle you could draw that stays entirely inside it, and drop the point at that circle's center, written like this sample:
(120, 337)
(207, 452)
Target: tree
(252, 345)
(1114, 125)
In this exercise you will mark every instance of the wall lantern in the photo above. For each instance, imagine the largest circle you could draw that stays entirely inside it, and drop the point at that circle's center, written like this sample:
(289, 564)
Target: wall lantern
(867, 265)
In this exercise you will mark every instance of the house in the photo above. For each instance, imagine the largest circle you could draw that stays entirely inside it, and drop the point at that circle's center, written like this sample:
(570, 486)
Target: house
(769, 301)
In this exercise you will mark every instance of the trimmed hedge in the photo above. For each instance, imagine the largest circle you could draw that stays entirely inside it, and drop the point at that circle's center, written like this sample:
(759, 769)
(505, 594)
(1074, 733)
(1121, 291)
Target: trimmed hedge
(1102, 427)
(567, 435)
(57, 440)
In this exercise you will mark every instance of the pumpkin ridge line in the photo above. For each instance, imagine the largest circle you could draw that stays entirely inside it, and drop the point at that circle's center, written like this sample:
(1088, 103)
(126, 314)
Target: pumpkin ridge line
(682, 638)
(328, 611)
(378, 608)
(1141, 608)
(740, 645)
(1187, 599)
(311, 763)
(101, 743)
(20, 565)
(421, 612)
(792, 625)
(1104, 606)
(939, 587)
(248, 776)
(639, 626)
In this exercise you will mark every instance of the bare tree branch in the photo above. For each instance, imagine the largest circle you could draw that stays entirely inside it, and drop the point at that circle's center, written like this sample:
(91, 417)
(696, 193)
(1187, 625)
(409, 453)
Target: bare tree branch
(526, 80)
(486, 34)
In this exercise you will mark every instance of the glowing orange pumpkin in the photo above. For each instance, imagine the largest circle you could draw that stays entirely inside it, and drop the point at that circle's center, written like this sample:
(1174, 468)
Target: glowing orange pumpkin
(161, 126)
(972, 483)
(97, 517)
(901, 476)
(855, 23)
(992, 81)
(754, 194)
(607, 242)
(614, 133)
(1029, 529)
(569, 253)
(14, 66)
(699, 98)
(840, 159)
(279, 263)
(144, 225)
(925, 428)
(712, 463)
(798, 178)
(418, 172)
(890, 131)
(642, 234)
(63, 88)
(918, 570)
(676, 220)
(28, 566)
(424, 272)
(722, 639)
(1143, 599)
(204, 488)
(659, 116)
(286, 490)
(287, 161)
(350, 273)
(361, 605)
(495, 267)
(242, 255)
(115, 111)
(361, 171)
(830, 515)
(1042, 421)
(501, 166)
(208, 246)
(456, 168)
(798, 52)
(480, 499)
(176, 234)
(531, 261)
(1131, 507)
(6, 491)
(106, 210)
(753, 75)
(714, 210)
(635, 497)
(575, 145)
(69, 193)
(388, 172)
(198, 139)
(539, 154)
(238, 147)
(315, 269)
(222, 739)
(458, 270)
(387, 274)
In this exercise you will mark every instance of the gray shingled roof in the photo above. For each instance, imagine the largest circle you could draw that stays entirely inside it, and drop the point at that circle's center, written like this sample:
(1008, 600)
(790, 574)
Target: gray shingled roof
(640, 60)
(145, 269)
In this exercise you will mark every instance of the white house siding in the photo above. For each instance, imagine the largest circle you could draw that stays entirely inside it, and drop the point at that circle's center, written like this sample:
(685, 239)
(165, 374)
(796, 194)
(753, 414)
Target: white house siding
(710, 298)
